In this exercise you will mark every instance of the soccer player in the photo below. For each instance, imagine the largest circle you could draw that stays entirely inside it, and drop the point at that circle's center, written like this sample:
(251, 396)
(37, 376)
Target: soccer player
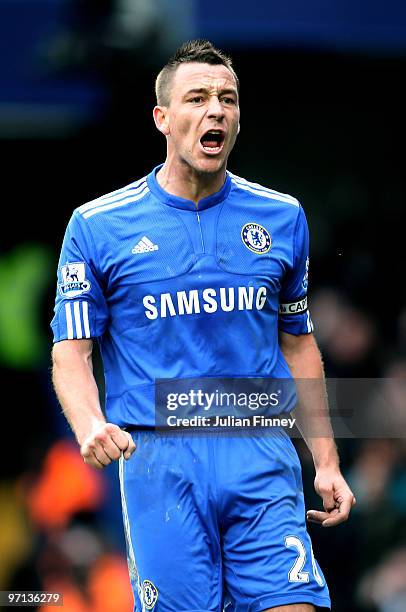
(193, 271)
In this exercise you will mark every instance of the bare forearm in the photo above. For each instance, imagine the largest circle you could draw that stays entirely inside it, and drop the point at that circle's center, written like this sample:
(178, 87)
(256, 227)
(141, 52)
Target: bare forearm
(312, 416)
(77, 391)
(100, 442)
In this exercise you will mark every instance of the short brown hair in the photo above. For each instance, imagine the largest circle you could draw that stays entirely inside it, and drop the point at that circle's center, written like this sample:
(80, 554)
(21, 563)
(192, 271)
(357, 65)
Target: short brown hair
(200, 51)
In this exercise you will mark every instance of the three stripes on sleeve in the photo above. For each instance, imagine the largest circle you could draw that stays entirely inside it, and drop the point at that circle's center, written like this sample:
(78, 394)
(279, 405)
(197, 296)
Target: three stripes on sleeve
(77, 319)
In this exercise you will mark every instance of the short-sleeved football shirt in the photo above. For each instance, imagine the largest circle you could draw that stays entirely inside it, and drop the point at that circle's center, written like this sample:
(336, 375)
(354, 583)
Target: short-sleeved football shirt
(175, 290)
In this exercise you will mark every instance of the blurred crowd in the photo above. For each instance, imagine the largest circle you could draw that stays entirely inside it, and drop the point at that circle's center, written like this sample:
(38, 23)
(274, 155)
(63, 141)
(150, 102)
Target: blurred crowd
(365, 559)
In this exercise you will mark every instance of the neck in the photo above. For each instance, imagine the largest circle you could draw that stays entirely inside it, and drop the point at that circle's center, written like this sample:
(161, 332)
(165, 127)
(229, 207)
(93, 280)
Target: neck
(186, 182)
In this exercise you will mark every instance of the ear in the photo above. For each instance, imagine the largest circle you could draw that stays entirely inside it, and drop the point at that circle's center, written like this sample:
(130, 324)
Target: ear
(160, 114)
(239, 126)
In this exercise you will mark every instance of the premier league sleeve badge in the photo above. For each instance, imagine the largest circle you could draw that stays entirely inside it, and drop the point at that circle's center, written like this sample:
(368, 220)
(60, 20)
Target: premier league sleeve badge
(74, 282)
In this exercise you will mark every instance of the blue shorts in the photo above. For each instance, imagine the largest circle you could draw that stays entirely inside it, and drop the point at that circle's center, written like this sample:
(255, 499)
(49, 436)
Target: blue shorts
(217, 522)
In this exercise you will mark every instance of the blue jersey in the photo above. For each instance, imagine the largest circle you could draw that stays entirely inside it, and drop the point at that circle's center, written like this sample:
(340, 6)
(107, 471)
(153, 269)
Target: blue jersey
(171, 290)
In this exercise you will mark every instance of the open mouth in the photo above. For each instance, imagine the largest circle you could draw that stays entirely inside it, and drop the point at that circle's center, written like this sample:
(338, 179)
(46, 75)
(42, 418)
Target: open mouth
(212, 141)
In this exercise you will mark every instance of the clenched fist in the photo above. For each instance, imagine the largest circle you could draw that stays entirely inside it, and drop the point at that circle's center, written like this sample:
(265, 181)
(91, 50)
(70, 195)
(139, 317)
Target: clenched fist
(338, 499)
(106, 444)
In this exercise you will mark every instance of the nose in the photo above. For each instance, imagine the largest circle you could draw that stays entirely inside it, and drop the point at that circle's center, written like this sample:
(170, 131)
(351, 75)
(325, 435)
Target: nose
(215, 108)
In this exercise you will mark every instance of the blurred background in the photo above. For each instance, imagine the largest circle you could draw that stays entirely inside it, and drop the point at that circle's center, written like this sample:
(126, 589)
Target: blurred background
(323, 118)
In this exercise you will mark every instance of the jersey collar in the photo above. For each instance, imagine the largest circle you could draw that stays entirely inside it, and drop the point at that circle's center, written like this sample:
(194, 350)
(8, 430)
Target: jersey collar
(172, 200)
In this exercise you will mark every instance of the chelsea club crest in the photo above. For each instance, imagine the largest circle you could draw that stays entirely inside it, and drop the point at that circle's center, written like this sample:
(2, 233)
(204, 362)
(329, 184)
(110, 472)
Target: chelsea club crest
(256, 238)
(150, 594)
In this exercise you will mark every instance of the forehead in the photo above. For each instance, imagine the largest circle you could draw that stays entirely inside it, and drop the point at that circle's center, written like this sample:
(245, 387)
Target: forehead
(194, 75)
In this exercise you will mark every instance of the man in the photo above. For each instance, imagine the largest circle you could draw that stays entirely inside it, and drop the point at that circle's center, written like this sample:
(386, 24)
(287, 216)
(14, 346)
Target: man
(181, 274)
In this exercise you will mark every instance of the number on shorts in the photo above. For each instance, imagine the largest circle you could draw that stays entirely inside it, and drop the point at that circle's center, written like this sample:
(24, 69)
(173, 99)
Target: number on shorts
(295, 574)
(317, 576)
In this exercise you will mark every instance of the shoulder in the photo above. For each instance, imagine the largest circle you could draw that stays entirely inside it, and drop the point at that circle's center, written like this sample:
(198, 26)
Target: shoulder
(257, 191)
(118, 199)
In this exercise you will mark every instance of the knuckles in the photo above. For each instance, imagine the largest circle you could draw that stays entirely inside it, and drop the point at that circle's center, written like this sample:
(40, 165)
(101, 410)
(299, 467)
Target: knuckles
(111, 440)
(324, 489)
(93, 463)
(110, 428)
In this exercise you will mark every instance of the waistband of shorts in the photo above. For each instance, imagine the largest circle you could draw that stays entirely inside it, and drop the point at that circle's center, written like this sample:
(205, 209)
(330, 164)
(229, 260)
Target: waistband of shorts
(226, 432)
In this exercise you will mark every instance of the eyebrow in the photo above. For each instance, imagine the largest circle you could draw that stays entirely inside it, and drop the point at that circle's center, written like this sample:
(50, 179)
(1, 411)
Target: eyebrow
(205, 90)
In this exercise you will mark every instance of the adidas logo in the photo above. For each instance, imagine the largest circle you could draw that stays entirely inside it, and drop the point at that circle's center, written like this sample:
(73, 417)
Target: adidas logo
(144, 246)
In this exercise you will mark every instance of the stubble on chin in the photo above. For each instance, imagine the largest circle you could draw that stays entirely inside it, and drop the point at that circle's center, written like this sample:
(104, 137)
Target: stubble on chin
(209, 168)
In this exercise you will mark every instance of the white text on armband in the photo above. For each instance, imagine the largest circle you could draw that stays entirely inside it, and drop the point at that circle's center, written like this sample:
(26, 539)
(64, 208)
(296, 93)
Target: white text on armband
(204, 300)
(293, 308)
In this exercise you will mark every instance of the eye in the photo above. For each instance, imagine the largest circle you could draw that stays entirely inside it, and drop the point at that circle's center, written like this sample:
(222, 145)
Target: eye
(228, 100)
(196, 99)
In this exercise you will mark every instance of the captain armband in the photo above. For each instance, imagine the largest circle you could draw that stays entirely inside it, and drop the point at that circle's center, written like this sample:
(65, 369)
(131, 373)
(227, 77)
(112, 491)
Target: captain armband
(296, 307)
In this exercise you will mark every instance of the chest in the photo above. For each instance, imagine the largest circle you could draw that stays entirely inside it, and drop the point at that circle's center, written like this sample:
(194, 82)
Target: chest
(215, 245)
